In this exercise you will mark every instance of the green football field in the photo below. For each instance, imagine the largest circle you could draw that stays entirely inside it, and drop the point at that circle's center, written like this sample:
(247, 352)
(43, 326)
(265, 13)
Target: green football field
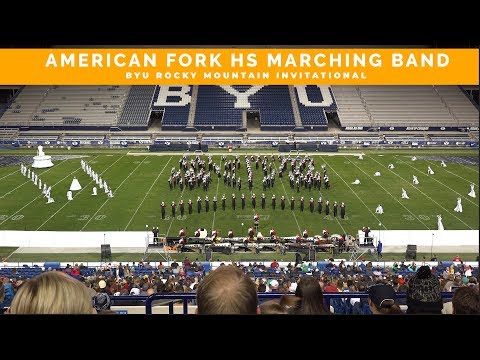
(140, 184)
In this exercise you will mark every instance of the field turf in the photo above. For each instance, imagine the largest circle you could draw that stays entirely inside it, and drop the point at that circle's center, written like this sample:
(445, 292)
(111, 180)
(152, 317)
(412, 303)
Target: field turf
(140, 184)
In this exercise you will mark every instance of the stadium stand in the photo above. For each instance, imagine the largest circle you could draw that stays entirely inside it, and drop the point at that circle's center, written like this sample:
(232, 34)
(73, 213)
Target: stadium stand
(406, 106)
(175, 115)
(461, 108)
(137, 108)
(41, 107)
(351, 109)
(313, 101)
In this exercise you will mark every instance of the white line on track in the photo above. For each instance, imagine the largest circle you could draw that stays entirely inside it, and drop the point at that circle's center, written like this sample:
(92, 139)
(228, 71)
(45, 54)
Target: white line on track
(108, 198)
(448, 187)
(148, 192)
(420, 191)
(354, 193)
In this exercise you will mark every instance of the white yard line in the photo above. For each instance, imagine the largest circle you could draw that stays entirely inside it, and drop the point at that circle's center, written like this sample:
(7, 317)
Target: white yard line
(78, 192)
(39, 196)
(448, 187)
(428, 197)
(108, 198)
(444, 169)
(26, 182)
(354, 193)
(393, 197)
(285, 190)
(3, 177)
(148, 192)
(216, 194)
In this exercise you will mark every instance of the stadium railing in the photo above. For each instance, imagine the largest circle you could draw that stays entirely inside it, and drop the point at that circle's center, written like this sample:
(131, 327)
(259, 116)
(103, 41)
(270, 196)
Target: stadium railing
(185, 297)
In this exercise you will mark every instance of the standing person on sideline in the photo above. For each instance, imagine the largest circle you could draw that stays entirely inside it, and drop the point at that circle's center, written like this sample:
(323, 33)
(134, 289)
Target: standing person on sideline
(190, 206)
(379, 249)
(155, 235)
(335, 208)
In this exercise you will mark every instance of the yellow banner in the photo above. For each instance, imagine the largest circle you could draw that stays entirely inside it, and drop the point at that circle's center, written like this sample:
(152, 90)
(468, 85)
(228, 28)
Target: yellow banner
(239, 66)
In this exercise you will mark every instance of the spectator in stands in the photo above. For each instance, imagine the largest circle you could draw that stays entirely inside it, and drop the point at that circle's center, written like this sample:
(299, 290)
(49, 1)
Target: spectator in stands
(101, 302)
(227, 290)
(6, 293)
(52, 293)
(311, 297)
(381, 299)
(424, 293)
(466, 300)
(272, 307)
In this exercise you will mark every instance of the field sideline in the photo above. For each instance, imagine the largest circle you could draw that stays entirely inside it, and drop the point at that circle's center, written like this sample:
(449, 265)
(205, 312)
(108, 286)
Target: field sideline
(140, 185)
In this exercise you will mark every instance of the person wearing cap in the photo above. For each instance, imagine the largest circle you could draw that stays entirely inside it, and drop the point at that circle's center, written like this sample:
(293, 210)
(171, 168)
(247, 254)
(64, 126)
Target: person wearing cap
(381, 299)
(101, 303)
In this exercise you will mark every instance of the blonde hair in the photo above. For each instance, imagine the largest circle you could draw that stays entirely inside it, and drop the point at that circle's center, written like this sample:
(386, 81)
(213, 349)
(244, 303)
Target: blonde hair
(52, 293)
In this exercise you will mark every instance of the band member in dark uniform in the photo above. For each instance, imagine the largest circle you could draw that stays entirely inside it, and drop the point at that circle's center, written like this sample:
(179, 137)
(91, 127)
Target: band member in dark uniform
(292, 203)
(190, 206)
(263, 201)
(163, 209)
(312, 205)
(182, 207)
(155, 235)
(302, 203)
(214, 203)
(254, 201)
(282, 202)
(342, 210)
(199, 204)
(224, 201)
(243, 201)
(335, 207)
(234, 200)
(239, 183)
(320, 203)
(327, 208)
(274, 201)
(173, 209)
(207, 203)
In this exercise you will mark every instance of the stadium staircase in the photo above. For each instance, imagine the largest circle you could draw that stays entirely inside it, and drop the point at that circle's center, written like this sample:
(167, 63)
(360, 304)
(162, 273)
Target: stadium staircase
(193, 106)
(296, 111)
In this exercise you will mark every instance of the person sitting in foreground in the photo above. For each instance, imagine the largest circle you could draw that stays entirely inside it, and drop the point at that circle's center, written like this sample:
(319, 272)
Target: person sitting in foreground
(381, 299)
(52, 292)
(227, 290)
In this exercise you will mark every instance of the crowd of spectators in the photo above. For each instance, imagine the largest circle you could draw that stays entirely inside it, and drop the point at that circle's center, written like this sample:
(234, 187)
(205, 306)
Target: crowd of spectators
(226, 289)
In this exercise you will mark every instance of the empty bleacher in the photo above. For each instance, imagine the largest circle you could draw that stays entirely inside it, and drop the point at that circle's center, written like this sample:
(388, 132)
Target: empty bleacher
(313, 101)
(461, 108)
(275, 107)
(215, 109)
(406, 106)
(22, 109)
(350, 107)
(174, 117)
(66, 107)
(137, 108)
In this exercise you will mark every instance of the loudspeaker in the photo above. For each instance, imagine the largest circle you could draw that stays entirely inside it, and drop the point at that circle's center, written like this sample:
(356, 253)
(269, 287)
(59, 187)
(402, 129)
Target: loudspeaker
(411, 252)
(105, 252)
